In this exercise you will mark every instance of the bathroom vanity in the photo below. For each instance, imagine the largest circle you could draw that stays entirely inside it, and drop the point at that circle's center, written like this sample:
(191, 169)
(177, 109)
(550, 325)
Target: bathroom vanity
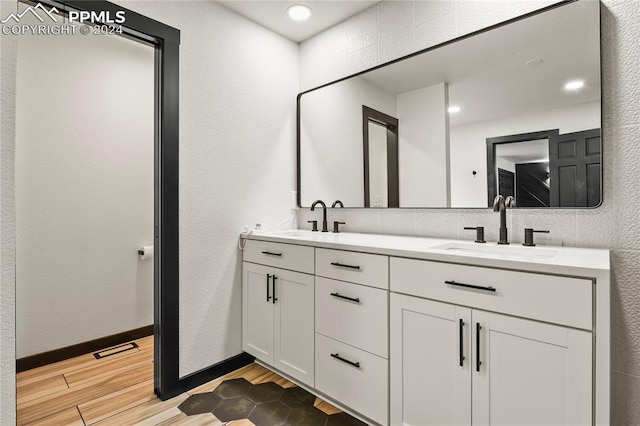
(404, 330)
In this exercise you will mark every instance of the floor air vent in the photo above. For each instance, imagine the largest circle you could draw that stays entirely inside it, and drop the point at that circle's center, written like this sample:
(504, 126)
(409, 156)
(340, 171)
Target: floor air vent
(115, 350)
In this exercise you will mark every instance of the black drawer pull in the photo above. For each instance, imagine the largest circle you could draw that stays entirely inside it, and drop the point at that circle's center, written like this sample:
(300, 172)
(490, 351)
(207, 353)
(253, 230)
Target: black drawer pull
(478, 362)
(342, 265)
(461, 343)
(353, 299)
(275, 299)
(270, 253)
(476, 287)
(268, 295)
(355, 364)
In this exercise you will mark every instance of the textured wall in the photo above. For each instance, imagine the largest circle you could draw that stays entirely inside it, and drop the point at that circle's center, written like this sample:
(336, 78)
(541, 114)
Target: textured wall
(7, 222)
(394, 28)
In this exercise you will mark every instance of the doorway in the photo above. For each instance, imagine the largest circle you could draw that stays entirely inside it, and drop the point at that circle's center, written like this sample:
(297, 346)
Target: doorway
(164, 42)
(380, 148)
(546, 168)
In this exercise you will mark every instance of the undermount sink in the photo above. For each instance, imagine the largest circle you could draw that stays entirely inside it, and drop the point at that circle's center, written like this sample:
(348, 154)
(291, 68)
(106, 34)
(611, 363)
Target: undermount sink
(507, 251)
(291, 233)
(302, 234)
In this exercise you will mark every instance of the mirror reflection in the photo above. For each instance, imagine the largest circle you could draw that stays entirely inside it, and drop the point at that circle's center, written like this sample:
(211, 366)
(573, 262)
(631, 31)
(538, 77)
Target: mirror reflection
(514, 111)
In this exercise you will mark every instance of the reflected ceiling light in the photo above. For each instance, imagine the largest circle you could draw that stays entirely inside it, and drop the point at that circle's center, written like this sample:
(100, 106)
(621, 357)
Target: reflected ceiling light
(533, 62)
(574, 85)
(453, 109)
(299, 12)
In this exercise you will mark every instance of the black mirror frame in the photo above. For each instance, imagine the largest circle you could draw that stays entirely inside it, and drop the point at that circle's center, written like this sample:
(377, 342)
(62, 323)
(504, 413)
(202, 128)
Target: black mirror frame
(437, 46)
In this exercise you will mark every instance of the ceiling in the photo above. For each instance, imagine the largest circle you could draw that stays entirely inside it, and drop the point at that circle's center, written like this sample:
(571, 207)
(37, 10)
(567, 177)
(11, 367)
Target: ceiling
(524, 152)
(273, 15)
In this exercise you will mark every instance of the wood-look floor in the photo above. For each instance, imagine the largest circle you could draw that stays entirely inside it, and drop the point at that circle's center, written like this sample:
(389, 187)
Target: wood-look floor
(117, 390)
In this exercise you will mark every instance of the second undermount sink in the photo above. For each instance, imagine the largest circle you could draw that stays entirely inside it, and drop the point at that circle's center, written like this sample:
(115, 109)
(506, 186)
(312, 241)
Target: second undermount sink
(292, 233)
(504, 251)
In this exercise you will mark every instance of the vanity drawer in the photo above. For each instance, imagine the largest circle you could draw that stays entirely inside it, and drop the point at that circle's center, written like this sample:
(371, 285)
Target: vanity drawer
(361, 268)
(363, 387)
(361, 322)
(285, 256)
(560, 300)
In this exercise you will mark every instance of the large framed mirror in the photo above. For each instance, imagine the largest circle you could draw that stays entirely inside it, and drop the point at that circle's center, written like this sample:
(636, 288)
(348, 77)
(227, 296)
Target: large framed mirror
(513, 110)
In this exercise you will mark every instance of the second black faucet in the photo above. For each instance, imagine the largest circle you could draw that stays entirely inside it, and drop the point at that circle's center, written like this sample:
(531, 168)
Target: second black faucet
(336, 203)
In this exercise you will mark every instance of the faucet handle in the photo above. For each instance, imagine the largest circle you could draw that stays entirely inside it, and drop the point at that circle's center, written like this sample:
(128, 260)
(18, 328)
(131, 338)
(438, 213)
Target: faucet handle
(314, 223)
(528, 236)
(336, 226)
(479, 233)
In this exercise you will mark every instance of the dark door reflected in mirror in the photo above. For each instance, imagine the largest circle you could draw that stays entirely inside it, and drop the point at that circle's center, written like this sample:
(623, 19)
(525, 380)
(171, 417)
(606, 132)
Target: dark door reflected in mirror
(546, 169)
(380, 137)
(526, 76)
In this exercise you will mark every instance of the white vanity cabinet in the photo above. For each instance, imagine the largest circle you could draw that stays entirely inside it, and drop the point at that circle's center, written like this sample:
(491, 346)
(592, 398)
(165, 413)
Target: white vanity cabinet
(277, 310)
(457, 363)
(430, 362)
(404, 331)
(352, 360)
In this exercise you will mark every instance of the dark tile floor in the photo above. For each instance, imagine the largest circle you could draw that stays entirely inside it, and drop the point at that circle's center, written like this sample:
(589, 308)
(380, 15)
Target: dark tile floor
(265, 404)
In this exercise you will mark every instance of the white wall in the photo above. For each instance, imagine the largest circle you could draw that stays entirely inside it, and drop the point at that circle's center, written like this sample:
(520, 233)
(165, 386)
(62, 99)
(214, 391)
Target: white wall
(84, 189)
(7, 222)
(423, 147)
(391, 29)
(331, 137)
(469, 147)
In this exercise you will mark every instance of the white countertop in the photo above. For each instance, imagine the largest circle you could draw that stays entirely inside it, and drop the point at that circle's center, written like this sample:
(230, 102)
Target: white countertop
(543, 259)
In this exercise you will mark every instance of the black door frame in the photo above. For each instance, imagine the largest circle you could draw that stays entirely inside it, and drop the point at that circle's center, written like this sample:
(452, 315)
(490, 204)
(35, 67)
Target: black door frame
(492, 143)
(393, 180)
(166, 42)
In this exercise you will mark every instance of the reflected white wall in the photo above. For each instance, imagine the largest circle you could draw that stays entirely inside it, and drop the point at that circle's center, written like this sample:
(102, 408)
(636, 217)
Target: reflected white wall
(469, 148)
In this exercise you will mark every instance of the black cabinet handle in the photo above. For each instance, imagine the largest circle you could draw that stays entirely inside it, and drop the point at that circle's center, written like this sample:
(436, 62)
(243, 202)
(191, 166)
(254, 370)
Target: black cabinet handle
(461, 340)
(342, 265)
(268, 295)
(476, 287)
(337, 356)
(478, 362)
(353, 299)
(275, 299)
(270, 253)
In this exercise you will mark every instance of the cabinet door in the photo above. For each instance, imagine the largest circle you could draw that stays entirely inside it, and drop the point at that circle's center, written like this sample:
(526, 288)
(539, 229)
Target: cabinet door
(294, 326)
(257, 311)
(430, 370)
(530, 373)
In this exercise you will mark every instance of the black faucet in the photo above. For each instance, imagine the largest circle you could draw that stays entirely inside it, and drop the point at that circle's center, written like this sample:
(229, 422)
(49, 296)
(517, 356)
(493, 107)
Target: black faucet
(337, 203)
(500, 205)
(324, 213)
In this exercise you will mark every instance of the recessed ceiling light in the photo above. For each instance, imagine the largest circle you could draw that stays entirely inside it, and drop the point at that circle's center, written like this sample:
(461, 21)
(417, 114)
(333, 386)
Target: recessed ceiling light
(299, 12)
(574, 85)
(453, 109)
